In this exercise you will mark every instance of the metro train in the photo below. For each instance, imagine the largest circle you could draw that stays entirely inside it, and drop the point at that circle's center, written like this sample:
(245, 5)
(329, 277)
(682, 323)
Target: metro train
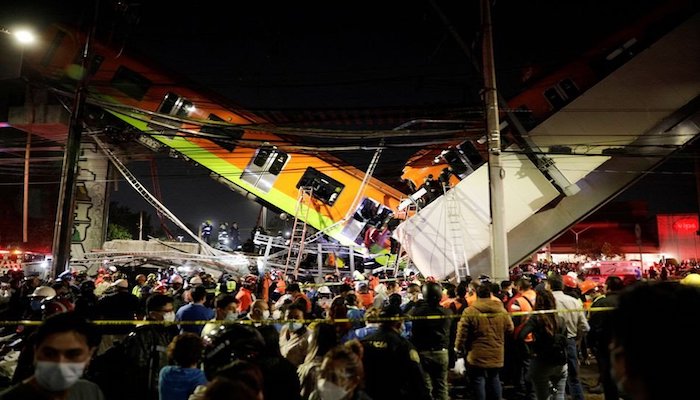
(229, 142)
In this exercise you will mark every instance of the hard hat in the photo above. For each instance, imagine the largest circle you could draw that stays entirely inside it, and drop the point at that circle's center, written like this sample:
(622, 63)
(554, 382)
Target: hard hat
(195, 280)
(691, 280)
(43, 291)
(587, 285)
(175, 279)
(324, 290)
(569, 281)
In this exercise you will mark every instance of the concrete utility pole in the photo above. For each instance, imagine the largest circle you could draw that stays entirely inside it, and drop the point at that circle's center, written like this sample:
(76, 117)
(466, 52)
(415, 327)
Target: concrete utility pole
(499, 237)
(63, 230)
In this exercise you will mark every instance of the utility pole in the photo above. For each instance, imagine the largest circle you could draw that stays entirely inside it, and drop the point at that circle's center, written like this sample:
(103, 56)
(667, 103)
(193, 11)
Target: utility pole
(25, 199)
(499, 237)
(63, 230)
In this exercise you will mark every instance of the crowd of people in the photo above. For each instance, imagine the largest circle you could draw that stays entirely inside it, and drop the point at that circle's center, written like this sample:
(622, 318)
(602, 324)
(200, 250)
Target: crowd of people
(167, 336)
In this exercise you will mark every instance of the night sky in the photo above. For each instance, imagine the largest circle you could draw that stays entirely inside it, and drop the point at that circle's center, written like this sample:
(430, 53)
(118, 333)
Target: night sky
(270, 56)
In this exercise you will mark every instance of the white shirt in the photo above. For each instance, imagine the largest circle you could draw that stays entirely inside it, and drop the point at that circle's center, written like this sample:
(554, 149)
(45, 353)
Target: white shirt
(576, 323)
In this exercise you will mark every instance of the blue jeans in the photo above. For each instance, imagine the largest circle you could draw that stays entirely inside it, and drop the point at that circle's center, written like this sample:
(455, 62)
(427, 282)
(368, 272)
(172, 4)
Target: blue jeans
(572, 381)
(543, 376)
(485, 383)
(434, 365)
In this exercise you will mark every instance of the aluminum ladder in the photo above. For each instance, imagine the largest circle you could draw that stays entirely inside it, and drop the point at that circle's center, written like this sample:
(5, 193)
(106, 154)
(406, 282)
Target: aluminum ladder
(298, 235)
(455, 234)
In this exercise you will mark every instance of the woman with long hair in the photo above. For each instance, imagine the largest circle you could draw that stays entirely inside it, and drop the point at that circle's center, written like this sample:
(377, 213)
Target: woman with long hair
(548, 369)
(323, 338)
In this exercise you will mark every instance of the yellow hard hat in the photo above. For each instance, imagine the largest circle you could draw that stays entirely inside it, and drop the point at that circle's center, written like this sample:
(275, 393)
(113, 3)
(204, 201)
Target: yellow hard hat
(691, 280)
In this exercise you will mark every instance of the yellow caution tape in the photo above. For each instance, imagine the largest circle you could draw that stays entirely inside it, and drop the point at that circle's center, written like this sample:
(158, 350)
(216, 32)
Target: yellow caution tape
(311, 321)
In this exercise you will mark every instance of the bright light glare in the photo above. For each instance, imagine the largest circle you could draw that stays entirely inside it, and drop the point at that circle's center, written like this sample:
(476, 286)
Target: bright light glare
(25, 36)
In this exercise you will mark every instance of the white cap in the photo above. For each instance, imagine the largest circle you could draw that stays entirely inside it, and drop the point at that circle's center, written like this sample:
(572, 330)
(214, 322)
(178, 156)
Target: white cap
(196, 280)
(122, 283)
(176, 279)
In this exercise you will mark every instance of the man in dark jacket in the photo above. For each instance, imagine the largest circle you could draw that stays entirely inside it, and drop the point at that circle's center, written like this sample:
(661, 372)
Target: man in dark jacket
(392, 364)
(431, 337)
(145, 353)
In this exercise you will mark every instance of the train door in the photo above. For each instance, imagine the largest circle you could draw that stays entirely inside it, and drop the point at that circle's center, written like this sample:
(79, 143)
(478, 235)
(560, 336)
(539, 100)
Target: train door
(262, 171)
(174, 105)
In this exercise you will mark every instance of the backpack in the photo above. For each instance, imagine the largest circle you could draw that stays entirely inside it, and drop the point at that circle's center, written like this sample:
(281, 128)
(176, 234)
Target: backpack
(553, 349)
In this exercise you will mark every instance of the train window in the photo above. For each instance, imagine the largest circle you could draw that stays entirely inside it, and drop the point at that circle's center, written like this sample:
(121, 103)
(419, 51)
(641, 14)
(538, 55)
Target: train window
(324, 187)
(130, 83)
(51, 51)
(263, 169)
(469, 150)
(569, 88)
(279, 162)
(554, 97)
(262, 156)
(230, 133)
(457, 164)
(184, 108)
(168, 103)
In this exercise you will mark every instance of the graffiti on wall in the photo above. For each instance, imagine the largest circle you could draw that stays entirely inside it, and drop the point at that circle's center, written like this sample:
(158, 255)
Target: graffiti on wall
(90, 199)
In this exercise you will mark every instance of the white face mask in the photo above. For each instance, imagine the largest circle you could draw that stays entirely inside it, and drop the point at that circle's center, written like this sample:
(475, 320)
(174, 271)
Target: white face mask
(330, 391)
(231, 316)
(295, 326)
(266, 314)
(56, 377)
(169, 316)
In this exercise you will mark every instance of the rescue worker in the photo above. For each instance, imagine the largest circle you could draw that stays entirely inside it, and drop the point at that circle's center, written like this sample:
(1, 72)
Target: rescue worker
(392, 365)
(176, 291)
(140, 282)
(245, 296)
(206, 230)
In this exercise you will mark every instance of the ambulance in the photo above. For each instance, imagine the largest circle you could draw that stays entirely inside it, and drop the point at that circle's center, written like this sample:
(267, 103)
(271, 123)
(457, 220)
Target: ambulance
(599, 271)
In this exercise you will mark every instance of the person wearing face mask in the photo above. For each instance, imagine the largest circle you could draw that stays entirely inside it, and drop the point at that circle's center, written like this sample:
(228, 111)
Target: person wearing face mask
(341, 376)
(63, 348)
(259, 312)
(294, 337)
(226, 310)
(146, 348)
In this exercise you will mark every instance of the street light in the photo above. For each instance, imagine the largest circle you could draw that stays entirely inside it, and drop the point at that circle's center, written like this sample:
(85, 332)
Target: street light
(22, 35)
(11, 50)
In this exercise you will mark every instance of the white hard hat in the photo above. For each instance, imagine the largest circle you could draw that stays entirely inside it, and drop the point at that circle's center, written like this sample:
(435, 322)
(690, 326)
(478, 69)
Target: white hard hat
(196, 280)
(176, 279)
(43, 291)
(324, 290)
